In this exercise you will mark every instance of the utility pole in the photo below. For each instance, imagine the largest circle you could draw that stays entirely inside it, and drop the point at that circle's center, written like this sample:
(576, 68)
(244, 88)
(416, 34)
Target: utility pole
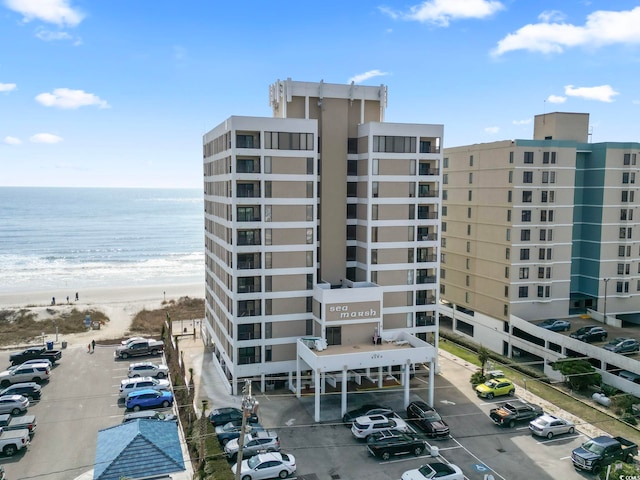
(248, 403)
(606, 281)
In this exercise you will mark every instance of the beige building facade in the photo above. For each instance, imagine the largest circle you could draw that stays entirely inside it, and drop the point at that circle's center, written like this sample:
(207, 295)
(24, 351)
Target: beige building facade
(538, 229)
(321, 223)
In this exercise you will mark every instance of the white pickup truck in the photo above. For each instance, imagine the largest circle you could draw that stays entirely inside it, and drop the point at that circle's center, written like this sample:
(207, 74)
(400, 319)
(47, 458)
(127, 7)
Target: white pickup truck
(11, 441)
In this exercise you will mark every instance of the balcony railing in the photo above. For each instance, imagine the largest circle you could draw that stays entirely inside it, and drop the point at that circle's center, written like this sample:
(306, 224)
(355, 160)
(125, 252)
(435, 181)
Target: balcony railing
(427, 258)
(425, 300)
(425, 320)
(426, 279)
(429, 171)
(427, 216)
(429, 237)
(428, 193)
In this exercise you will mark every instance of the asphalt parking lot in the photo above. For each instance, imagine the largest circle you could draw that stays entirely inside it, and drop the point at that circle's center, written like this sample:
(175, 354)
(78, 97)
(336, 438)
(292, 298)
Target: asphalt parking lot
(81, 398)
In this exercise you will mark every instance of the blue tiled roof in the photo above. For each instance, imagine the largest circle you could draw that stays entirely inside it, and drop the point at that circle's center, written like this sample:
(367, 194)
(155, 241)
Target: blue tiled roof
(137, 449)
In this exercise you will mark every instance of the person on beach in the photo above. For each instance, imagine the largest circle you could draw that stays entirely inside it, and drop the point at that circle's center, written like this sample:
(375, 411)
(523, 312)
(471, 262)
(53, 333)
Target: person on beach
(76, 296)
(89, 348)
(93, 345)
(53, 300)
(67, 299)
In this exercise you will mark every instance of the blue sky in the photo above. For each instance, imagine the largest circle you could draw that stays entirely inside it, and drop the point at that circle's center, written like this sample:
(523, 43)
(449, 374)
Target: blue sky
(120, 92)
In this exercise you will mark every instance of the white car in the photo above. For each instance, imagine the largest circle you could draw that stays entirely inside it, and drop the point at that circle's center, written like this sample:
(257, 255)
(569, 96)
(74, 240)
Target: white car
(549, 425)
(129, 385)
(441, 471)
(364, 426)
(33, 372)
(148, 369)
(267, 465)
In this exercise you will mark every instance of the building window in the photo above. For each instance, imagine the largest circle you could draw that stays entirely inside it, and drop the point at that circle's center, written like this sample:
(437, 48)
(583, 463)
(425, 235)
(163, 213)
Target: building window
(548, 177)
(622, 287)
(309, 236)
(469, 212)
(525, 235)
(547, 196)
(508, 235)
(510, 157)
(468, 247)
(524, 273)
(624, 269)
(528, 157)
(445, 162)
(445, 178)
(374, 256)
(444, 210)
(523, 292)
(506, 272)
(627, 196)
(334, 335)
(470, 195)
(527, 177)
(524, 254)
(624, 251)
(629, 158)
(546, 215)
(443, 226)
(268, 354)
(509, 196)
(468, 263)
(470, 177)
(526, 215)
(468, 280)
(506, 291)
(544, 272)
(544, 291)
(374, 189)
(510, 176)
(508, 215)
(248, 355)
(507, 253)
(375, 166)
(468, 229)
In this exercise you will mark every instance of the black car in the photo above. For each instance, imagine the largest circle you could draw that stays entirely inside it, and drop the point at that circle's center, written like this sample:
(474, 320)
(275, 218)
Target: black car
(150, 415)
(591, 333)
(27, 389)
(365, 411)
(427, 419)
(386, 443)
(224, 415)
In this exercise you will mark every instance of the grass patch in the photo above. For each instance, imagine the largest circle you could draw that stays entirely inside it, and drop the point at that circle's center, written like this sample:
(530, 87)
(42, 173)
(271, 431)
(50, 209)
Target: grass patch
(22, 326)
(150, 322)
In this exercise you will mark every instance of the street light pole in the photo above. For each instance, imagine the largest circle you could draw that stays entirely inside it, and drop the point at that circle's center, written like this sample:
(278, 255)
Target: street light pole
(248, 403)
(606, 281)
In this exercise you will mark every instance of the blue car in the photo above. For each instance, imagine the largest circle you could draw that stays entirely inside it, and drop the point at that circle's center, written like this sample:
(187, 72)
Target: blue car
(556, 325)
(149, 398)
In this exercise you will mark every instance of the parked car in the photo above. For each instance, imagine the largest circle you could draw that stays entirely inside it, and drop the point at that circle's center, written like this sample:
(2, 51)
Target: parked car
(129, 385)
(148, 369)
(148, 398)
(28, 389)
(623, 345)
(556, 325)
(13, 440)
(35, 353)
(595, 454)
(37, 372)
(13, 404)
(549, 425)
(590, 333)
(224, 415)
(427, 419)
(386, 443)
(254, 443)
(496, 387)
(231, 431)
(365, 410)
(364, 426)
(46, 361)
(139, 347)
(150, 415)
(510, 413)
(441, 471)
(131, 339)
(267, 465)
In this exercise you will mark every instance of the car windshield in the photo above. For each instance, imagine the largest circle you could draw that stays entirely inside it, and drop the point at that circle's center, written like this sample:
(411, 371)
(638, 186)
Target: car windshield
(253, 462)
(593, 447)
(490, 383)
(432, 416)
(427, 471)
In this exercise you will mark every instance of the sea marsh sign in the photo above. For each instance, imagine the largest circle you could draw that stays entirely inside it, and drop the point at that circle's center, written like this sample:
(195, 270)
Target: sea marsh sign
(352, 311)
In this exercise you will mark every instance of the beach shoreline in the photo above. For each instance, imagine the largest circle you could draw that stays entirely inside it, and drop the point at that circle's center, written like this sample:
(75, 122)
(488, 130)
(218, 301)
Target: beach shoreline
(119, 304)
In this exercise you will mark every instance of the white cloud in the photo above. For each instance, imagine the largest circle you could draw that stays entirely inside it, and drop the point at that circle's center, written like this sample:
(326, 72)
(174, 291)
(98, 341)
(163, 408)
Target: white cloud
(635, 102)
(45, 138)
(12, 140)
(601, 28)
(442, 12)
(53, 36)
(366, 76)
(552, 16)
(50, 11)
(67, 98)
(556, 99)
(492, 130)
(522, 122)
(7, 87)
(602, 93)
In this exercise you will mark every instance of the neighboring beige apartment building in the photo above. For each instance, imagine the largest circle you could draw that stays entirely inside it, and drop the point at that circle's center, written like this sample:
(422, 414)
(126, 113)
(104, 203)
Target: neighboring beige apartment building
(322, 241)
(539, 229)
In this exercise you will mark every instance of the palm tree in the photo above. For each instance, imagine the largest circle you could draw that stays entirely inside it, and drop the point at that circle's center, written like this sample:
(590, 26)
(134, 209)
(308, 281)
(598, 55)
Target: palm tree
(483, 357)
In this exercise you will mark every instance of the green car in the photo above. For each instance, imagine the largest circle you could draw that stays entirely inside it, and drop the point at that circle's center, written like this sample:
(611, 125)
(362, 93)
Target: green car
(495, 388)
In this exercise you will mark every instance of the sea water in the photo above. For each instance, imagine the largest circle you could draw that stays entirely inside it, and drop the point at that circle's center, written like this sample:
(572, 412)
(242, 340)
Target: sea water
(52, 238)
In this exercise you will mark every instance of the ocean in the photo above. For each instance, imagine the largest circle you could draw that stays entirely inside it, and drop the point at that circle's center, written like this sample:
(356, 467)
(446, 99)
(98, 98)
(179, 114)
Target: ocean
(75, 238)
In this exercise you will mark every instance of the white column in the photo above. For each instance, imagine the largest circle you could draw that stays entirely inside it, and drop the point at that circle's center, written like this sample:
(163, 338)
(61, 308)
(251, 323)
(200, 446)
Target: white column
(317, 395)
(343, 393)
(406, 379)
(262, 377)
(298, 386)
(432, 365)
(380, 377)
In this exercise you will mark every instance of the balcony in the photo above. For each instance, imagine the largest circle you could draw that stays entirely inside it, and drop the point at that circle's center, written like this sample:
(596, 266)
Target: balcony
(425, 320)
(427, 170)
(429, 237)
(249, 237)
(427, 215)
(426, 279)
(427, 193)
(422, 298)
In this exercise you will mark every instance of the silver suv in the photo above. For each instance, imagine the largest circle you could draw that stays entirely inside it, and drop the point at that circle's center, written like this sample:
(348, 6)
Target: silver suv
(36, 372)
(148, 369)
(254, 443)
(129, 385)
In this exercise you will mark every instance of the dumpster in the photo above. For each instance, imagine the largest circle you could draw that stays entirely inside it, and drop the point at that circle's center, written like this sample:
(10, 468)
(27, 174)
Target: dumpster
(50, 345)
(64, 344)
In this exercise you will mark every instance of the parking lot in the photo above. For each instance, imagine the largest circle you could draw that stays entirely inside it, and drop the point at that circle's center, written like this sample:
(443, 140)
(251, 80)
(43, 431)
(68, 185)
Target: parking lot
(82, 398)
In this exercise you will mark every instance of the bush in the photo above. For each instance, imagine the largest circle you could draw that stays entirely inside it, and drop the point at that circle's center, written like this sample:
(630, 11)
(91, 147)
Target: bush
(477, 378)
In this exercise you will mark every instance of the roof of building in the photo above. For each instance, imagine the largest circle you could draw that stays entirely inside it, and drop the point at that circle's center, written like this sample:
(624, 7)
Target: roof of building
(138, 449)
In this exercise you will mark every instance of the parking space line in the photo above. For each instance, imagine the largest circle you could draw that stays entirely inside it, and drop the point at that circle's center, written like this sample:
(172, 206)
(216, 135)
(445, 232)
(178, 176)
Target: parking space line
(558, 438)
(474, 456)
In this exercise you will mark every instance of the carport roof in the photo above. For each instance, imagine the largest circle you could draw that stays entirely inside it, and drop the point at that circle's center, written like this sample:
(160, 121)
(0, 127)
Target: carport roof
(138, 449)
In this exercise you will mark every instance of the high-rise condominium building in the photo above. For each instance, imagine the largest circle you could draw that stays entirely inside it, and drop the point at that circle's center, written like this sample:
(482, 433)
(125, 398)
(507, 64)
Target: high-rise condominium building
(539, 229)
(322, 234)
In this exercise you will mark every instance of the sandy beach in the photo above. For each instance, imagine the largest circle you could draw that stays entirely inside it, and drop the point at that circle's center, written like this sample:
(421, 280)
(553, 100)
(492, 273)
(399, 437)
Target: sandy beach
(120, 304)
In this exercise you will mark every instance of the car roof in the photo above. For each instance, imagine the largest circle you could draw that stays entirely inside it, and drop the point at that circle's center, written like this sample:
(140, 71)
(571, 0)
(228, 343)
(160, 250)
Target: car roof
(144, 391)
(127, 381)
(267, 456)
(15, 398)
(263, 434)
(548, 417)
